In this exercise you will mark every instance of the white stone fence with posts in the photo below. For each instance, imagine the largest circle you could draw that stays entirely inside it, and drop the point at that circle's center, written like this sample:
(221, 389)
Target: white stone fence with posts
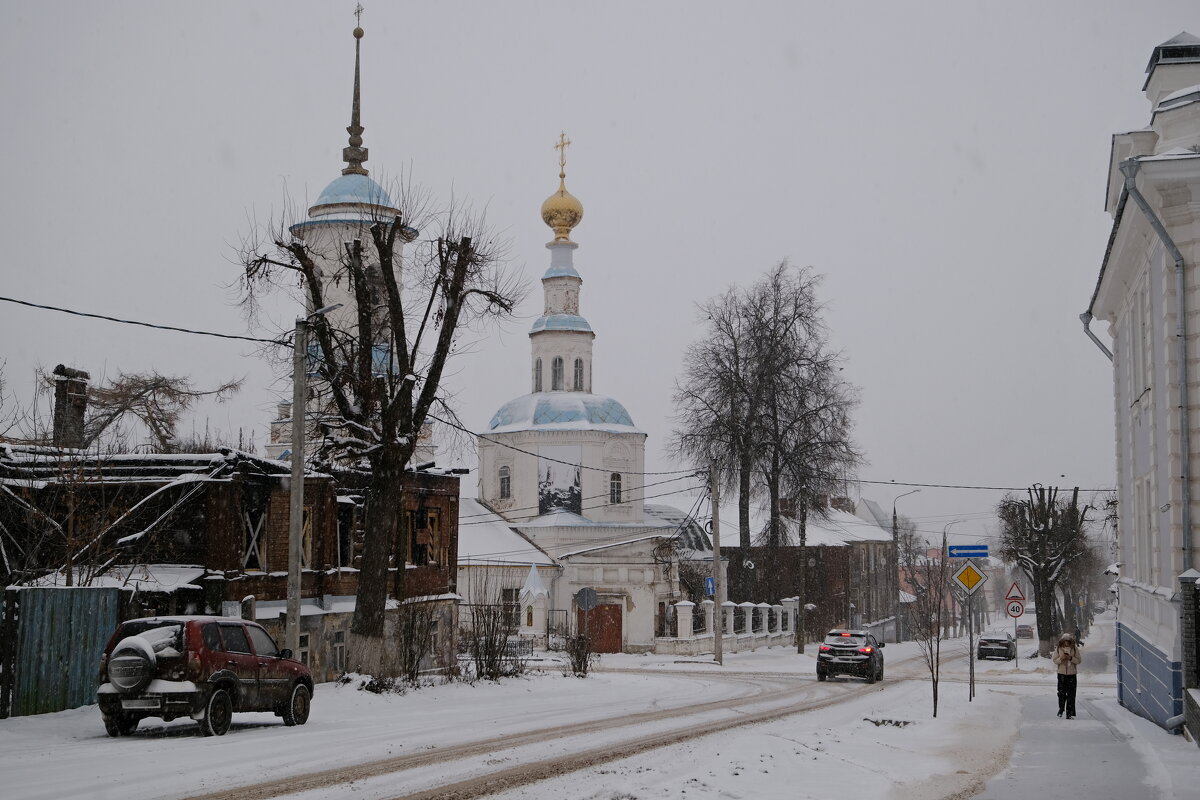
(744, 626)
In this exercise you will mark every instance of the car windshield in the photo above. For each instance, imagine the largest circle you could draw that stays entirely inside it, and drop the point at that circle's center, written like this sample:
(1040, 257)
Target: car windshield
(845, 639)
(161, 636)
(992, 638)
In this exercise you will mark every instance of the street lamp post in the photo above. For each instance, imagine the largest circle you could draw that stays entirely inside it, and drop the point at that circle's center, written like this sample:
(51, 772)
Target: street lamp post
(895, 576)
(296, 490)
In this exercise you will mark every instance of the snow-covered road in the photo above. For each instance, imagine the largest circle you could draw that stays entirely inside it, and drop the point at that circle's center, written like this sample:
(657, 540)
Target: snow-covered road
(602, 737)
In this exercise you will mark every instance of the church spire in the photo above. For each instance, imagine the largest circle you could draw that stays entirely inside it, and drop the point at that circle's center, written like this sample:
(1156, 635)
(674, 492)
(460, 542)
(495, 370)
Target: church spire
(355, 154)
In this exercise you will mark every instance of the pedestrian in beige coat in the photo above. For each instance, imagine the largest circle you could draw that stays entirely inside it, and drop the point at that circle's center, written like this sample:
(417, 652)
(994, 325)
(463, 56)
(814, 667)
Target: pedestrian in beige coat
(1067, 657)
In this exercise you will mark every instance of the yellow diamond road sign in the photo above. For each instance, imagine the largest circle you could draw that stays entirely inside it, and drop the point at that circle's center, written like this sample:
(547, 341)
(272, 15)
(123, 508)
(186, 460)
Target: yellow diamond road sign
(970, 578)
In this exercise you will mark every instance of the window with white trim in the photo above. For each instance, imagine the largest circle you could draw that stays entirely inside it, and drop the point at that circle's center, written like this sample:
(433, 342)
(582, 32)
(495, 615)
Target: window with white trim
(505, 483)
(614, 488)
(578, 384)
(537, 375)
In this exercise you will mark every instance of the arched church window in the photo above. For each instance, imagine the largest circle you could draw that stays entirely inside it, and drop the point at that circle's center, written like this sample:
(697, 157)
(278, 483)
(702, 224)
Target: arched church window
(578, 387)
(505, 483)
(528, 616)
(614, 488)
(537, 375)
(556, 374)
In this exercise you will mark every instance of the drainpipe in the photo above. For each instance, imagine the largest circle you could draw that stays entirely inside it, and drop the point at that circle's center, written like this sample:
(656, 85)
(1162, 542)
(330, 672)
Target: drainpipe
(1086, 319)
(1129, 168)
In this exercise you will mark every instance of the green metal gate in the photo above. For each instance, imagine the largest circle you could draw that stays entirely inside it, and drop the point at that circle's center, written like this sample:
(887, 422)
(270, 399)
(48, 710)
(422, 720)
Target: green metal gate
(52, 642)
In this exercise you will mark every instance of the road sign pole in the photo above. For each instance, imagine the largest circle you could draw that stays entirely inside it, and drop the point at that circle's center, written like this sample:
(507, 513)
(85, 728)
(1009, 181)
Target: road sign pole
(971, 643)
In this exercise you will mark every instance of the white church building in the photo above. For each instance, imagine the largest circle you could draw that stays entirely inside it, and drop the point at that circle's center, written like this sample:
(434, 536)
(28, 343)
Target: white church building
(564, 466)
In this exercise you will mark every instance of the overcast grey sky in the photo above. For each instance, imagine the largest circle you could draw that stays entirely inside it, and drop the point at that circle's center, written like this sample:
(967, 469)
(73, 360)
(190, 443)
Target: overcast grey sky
(943, 164)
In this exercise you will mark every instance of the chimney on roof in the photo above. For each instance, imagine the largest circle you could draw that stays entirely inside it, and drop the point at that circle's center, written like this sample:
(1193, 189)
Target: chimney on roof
(842, 504)
(70, 405)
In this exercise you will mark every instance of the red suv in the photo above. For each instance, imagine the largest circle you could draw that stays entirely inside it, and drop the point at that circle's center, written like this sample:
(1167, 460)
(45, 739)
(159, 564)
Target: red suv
(202, 667)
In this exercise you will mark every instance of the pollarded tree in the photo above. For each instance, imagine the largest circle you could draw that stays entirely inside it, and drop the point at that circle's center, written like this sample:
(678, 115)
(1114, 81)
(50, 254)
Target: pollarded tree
(380, 375)
(1043, 535)
(383, 354)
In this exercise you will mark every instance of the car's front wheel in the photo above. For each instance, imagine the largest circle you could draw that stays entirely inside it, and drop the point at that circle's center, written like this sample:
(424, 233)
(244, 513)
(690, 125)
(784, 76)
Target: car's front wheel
(120, 724)
(821, 675)
(218, 714)
(296, 711)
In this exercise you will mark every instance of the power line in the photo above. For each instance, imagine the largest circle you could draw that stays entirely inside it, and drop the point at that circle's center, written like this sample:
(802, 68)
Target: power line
(958, 486)
(487, 438)
(598, 496)
(510, 524)
(142, 324)
(283, 342)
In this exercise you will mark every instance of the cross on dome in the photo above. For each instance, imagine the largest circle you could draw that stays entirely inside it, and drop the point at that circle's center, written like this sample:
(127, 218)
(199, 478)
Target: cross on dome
(562, 211)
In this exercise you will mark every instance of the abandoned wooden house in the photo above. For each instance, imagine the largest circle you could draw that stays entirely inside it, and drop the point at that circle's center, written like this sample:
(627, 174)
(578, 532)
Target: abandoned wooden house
(208, 533)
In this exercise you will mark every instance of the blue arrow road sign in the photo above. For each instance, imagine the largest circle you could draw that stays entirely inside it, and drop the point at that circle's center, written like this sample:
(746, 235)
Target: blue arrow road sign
(710, 586)
(968, 551)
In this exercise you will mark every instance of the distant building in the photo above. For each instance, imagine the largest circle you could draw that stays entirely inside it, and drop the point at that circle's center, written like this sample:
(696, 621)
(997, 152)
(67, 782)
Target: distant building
(1148, 292)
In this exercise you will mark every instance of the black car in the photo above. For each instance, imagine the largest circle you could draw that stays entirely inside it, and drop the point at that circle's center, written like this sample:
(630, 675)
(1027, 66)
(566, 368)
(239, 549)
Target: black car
(850, 652)
(997, 644)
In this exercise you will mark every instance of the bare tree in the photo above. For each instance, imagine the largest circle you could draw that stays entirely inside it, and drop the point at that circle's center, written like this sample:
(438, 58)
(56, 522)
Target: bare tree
(761, 396)
(1043, 535)
(929, 578)
(415, 638)
(157, 401)
(486, 625)
(716, 401)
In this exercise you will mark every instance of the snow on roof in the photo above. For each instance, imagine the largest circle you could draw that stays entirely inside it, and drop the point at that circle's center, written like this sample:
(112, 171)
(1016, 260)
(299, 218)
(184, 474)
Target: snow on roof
(562, 411)
(533, 584)
(610, 545)
(354, 188)
(485, 538)
(560, 322)
(840, 528)
(1173, 96)
(1174, 154)
(142, 577)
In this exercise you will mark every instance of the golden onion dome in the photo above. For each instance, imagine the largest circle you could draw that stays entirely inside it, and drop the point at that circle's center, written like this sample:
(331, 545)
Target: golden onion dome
(562, 211)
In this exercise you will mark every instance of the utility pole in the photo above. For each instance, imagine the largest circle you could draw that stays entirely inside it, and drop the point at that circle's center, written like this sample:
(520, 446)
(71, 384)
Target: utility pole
(296, 491)
(895, 571)
(718, 583)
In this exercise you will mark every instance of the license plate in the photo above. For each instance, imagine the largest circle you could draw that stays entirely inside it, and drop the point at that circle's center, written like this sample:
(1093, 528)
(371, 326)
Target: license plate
(149, 702)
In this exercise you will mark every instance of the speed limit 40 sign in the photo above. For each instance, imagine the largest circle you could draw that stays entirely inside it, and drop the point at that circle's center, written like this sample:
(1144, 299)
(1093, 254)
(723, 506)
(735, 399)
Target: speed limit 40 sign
(1015, 608)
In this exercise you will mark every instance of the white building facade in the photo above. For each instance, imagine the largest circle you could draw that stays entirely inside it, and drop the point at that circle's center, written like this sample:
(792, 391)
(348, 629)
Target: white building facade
(1148, 292)
(564, 466)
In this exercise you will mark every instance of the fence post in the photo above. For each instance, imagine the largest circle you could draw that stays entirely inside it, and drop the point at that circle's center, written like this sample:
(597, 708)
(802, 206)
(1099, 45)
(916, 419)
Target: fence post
(683, 619)
(8, 649)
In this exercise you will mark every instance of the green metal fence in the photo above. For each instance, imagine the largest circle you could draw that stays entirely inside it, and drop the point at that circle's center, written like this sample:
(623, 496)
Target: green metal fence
(53, 640)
